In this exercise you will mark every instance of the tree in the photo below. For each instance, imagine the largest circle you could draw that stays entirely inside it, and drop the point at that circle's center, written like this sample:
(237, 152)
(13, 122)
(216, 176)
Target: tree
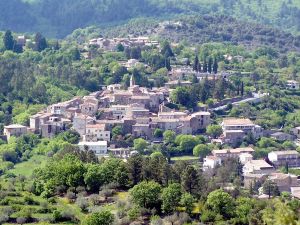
(220, 89)
(8, 41)
(201, 150)
(209, 65)
(270, 188)
(169, 136)
(158, 133)
(140, 145)
(146, 194)
(75, 54)
(134, 166)
(40, 42)
(171, 196)
(168, 64)
(166, 49)
(187, 143)
(187, 201)
(214, 130)
(190, 179)
(196, 64)
(215, 66)
(120, 47)
(221, 202)
(103, 217)
(116, 131)
(205, 69)
(242, 89)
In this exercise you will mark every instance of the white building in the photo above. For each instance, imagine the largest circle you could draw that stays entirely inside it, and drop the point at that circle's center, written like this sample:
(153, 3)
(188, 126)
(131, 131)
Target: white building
(245, 157)
(211, 162)
(97, 132)
(99, 147)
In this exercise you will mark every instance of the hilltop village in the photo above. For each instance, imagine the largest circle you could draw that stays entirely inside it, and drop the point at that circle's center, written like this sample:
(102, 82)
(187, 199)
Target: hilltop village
(143, 129)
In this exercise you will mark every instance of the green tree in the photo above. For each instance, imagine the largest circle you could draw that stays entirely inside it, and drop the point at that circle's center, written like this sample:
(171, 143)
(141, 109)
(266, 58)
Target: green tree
(215, 66)
(187, 201)
(140, 145)
(201, 150)
(270, 188)
(221, 202)
(158, 133)
(209, 65)
(171, 196)
(120, 47)
(196, 64)
(214, 130)
(40, 42)
(166, 49)
(103, 217)
(146, 194)
(205, 69)
(190, 179)
(8, 41)
(169, 136)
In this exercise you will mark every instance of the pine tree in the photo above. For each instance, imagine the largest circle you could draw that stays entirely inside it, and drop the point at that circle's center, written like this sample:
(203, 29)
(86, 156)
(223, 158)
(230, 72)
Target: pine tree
(8, 41)
(209, 66)
(196, 64)
(215, 66)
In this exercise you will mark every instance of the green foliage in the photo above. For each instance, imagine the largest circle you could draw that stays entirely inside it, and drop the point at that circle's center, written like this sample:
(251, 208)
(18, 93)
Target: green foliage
(140, 145)
(110, 171)
(187, 201)
(103, 217)
(69, 172)
(171, 196)
(221, 203)
(214, 130)
(146, 194)
(201, 150)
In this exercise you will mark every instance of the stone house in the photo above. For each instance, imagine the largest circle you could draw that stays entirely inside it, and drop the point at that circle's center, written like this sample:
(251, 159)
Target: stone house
(283, 158)
(14, 130)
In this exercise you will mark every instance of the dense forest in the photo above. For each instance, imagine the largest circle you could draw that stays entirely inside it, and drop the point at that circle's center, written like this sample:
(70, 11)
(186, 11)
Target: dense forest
(58, 18)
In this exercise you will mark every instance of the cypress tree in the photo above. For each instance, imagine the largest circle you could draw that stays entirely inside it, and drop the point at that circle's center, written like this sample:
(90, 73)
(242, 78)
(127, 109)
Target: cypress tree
(242, 89)
(40, 42)
(8, 41)
(205, 66)
(196, 64)
(215, 66)
(209, 66)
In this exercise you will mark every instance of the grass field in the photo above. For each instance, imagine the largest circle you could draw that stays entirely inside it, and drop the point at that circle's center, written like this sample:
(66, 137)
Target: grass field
(184, 158)
(26, 168)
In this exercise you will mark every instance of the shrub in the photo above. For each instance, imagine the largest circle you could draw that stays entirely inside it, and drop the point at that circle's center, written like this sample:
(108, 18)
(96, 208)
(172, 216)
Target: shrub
(21, 220)
(57, 215)
(71, 195)
(82, 203)
(3, 218)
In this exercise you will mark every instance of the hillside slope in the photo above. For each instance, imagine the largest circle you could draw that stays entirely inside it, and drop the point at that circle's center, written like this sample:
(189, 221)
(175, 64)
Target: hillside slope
(57, 18)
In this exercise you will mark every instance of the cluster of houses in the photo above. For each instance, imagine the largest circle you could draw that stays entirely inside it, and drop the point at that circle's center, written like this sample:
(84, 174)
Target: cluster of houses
(111, 44)
(260, 170)
(137, 110)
